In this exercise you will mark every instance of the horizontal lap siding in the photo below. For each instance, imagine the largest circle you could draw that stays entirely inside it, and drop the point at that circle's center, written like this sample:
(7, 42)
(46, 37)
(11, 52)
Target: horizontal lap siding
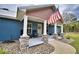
(51, 29)
(9, 29)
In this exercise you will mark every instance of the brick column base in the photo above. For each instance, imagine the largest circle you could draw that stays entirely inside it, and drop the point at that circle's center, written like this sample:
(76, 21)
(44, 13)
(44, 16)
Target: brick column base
(45, 39)
(24, 44)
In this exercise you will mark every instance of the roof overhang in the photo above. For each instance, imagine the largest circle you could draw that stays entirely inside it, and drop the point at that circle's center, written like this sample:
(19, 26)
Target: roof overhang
(24, 9)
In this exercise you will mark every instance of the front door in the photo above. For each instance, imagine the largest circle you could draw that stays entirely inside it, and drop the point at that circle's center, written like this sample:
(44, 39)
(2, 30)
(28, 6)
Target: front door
(58, 30)
(50, 29)
(34, 29)
(29, 29)
(39, 29)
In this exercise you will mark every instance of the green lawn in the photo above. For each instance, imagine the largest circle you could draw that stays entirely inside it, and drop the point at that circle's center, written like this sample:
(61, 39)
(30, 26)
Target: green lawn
(2, 51)
(74, 36)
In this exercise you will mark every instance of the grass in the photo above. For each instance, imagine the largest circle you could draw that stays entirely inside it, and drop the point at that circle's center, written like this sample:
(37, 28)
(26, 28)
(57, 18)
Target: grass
(75, 43)
(2, 51)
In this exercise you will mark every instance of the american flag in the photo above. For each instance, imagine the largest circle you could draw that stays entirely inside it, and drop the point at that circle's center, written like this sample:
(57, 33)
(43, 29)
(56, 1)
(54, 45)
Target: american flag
(56, 16)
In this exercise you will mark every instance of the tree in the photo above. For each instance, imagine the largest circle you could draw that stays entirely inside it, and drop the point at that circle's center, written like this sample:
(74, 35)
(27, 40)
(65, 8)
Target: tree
(70, 24)
(69, 17)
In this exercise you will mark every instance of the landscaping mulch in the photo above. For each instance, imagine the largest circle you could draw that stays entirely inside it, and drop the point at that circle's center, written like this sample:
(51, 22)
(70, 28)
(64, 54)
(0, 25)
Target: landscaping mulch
(41, 49)
(13, 48)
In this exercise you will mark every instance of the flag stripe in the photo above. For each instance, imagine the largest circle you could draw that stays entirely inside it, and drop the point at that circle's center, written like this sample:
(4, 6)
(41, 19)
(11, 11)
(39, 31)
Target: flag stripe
(54, 17)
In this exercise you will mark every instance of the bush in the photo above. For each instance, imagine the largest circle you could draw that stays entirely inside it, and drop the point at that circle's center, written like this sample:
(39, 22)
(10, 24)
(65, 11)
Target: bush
(68, 37)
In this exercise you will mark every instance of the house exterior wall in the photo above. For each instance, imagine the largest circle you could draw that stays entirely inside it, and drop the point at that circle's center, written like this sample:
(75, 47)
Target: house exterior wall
(50, 29)
(12, 29)
(9, 29)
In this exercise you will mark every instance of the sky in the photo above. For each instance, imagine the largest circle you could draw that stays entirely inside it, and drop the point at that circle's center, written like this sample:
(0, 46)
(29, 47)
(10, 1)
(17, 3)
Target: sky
(12, 9)
(70, 8)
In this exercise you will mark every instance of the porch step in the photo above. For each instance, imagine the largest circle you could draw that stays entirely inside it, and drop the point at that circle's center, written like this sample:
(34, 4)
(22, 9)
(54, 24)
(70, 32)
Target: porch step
(35, 41)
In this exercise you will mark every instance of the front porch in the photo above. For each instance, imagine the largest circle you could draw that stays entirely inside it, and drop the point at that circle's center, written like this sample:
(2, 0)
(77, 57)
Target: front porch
(36, 28)
(42, 34)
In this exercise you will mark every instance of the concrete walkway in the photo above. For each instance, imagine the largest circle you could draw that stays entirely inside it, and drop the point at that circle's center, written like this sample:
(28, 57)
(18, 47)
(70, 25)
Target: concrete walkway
(62, 48)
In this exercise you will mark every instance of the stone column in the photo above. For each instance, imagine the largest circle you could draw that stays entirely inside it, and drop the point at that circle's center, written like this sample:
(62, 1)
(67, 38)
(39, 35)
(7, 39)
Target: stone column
(45, 37)
(55, 31)
(24, 39)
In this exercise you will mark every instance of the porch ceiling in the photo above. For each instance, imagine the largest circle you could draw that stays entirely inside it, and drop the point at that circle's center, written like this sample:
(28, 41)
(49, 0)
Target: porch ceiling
(43, 13)
(36, 19)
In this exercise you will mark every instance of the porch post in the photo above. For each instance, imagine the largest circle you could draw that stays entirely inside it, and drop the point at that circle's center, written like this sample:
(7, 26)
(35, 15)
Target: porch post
(25, 26)
(45, 27)
(62, 31)
(55, 28)
(24, 39)
(55, 31)
(61, 28)
(45, 37)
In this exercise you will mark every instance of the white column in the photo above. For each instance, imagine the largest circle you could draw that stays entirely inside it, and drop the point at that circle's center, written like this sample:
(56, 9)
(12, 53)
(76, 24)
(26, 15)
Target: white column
(61, 28)
(55, 28)
(25, 26)
(45, 27)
